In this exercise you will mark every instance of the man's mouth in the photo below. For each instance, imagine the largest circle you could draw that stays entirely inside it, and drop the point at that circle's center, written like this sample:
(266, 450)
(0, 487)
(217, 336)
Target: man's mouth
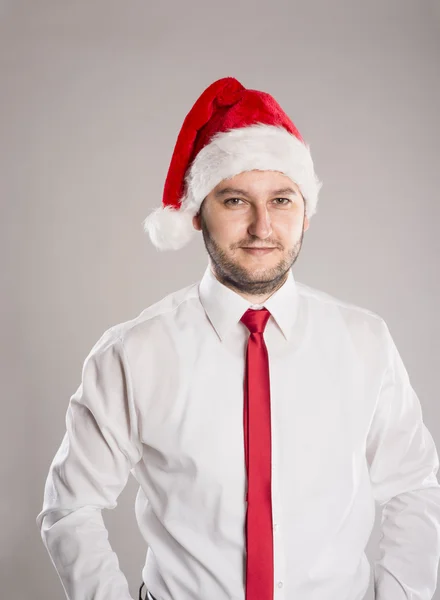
(257, 251)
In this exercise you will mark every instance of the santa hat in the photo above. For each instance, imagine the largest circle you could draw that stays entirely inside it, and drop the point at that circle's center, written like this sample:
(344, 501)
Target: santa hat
(229, 130)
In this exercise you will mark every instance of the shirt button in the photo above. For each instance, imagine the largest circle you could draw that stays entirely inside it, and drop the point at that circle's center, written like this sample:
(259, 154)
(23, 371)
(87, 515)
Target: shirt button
(280, 584)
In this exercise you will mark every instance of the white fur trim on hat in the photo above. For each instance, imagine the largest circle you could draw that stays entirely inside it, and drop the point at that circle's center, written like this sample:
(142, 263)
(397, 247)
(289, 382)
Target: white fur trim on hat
(257, 147)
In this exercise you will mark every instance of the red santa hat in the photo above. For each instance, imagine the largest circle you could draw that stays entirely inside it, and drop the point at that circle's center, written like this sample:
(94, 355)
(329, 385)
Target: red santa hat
(229, 130)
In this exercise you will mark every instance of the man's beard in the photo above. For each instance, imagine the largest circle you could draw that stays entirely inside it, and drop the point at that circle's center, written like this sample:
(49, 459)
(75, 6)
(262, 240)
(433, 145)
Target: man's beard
(235, 276)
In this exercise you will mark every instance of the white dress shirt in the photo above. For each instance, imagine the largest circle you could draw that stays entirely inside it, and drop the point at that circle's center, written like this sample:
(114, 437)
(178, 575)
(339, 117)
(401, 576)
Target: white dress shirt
(161, 397)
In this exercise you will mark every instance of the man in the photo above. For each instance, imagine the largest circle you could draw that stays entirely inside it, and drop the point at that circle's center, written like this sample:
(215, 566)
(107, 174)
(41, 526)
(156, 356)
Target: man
(261, 417)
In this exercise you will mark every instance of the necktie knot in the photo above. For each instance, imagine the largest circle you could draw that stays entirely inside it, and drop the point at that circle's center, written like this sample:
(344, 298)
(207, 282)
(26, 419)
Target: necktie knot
(255, 320)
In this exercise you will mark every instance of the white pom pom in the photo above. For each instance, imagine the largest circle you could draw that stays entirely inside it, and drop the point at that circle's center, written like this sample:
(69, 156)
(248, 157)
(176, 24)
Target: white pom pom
(169, 228)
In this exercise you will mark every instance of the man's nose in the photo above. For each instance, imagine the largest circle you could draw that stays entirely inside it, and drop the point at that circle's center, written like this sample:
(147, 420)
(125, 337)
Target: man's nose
(260, 225)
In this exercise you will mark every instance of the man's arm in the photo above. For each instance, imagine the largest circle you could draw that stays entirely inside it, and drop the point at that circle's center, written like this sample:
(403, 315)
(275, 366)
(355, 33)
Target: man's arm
(403, 464)
(87, 474)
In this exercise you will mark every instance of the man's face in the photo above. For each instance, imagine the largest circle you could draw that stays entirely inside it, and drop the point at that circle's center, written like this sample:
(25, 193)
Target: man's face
(253, 210)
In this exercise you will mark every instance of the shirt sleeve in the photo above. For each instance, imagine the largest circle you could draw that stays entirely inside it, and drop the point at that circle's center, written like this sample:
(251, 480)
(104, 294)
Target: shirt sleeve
(89, 471)
(403, 464)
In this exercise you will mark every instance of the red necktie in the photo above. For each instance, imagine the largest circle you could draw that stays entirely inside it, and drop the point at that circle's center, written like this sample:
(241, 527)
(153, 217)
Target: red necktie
(257, 440)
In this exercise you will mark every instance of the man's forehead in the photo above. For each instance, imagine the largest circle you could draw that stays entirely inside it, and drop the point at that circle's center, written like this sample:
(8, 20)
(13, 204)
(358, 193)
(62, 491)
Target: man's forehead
(256, 183)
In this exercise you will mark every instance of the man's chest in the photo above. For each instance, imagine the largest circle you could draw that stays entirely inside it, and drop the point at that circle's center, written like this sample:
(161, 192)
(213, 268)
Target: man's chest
(191, 418)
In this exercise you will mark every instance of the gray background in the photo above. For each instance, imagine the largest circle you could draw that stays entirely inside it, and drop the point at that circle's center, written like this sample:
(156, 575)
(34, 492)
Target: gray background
(93, 94)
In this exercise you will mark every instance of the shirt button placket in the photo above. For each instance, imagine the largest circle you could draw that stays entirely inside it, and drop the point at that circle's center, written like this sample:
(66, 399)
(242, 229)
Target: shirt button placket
(277, 534)
(279, 583)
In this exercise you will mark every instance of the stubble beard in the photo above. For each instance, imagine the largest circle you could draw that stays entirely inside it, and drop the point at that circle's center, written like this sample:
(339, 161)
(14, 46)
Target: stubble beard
(233, 275)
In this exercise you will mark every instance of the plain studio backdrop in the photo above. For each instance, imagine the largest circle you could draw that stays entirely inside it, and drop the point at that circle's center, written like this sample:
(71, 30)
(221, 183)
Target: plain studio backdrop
(93, 94)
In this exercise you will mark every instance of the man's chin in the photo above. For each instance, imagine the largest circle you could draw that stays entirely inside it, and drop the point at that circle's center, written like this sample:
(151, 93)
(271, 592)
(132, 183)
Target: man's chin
(258, 273)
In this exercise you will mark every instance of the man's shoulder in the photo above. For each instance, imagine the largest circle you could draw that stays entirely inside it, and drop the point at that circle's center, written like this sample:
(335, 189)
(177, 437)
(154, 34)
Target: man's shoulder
(337, 318)
(325, 298)
(167, 306)
(351, 314)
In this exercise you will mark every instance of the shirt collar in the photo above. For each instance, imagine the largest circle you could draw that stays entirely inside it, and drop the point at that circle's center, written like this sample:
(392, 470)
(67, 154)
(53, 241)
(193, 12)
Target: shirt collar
(225, 307)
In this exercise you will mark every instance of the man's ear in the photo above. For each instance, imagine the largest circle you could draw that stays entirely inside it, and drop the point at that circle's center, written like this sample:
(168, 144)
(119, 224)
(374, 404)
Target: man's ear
(196, 222)
(306, 223)
(197, 219)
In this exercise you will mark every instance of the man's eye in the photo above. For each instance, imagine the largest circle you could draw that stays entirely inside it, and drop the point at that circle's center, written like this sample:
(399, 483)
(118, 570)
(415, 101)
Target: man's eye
(236, 201)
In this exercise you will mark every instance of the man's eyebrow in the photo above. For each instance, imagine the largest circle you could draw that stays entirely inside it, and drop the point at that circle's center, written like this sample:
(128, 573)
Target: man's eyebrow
(287, 190)
(227, 191)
